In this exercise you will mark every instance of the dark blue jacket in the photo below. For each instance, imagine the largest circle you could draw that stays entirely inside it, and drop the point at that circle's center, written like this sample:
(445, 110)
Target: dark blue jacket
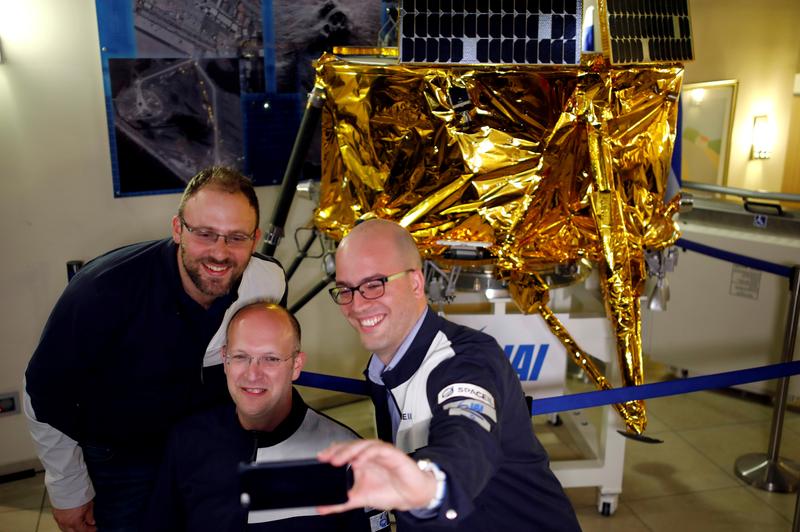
(462, 407)
(121, 356)
(198, 488)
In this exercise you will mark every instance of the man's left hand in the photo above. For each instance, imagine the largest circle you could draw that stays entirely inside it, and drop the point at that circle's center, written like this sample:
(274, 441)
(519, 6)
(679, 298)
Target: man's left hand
(384, 477)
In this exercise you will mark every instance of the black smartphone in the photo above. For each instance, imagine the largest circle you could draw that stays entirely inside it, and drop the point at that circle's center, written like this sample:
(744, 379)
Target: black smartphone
(292, 484)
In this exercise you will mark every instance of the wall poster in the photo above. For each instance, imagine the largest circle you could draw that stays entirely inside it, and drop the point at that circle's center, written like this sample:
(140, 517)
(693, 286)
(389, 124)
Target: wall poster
(707, 110)
(194, 83)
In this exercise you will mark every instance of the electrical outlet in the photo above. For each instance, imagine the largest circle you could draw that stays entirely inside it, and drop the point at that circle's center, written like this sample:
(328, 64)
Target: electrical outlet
(9, 403)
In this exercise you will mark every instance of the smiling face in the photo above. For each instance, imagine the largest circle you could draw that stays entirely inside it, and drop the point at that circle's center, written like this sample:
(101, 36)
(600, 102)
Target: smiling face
(208, 271)
(372, 250)
(263, 394)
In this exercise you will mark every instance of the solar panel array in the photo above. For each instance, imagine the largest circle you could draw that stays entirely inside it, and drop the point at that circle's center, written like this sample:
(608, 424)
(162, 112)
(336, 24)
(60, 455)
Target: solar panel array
(648, 31)
(490, 31)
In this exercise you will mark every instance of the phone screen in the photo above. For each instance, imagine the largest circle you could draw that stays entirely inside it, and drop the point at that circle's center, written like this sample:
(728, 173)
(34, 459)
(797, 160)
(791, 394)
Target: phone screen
(292, 484)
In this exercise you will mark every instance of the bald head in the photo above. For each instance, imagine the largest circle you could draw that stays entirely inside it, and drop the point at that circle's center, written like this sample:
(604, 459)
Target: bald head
(262, 359)
(270, 310)
(391, 237)
(383, 255)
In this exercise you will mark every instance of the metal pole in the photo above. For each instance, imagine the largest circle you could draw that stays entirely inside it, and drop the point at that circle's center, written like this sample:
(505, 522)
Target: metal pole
(768, 471)
(300, 255)
(308, 125)
(308, 296)
(783, 385)
(741, 192)
(796, 523)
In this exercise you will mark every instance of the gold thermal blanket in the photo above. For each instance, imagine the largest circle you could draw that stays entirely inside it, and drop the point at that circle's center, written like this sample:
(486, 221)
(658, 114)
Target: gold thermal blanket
(543, 165)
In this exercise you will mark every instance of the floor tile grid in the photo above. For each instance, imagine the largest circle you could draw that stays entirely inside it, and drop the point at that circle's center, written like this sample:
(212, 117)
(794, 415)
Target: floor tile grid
(21, 504)
(746, 415)
(644, 507)
(783, 504)
(780, 507)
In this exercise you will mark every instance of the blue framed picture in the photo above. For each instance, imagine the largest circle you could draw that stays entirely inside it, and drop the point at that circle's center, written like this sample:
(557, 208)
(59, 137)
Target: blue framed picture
(190, 84)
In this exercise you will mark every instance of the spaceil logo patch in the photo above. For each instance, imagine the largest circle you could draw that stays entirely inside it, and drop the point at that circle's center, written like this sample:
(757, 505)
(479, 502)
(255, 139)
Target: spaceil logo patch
(527, 361)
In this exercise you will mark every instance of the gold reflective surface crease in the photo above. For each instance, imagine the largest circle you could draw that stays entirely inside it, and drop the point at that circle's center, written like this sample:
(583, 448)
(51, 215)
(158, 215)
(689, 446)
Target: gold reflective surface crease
(546, 164)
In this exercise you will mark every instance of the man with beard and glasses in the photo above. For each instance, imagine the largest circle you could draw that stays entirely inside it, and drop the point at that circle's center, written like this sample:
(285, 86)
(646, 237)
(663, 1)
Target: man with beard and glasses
(134, 344)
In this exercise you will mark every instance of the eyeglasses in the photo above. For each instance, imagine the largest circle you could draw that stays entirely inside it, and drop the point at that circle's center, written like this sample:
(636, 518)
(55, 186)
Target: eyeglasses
(243, 360)
(371, 289)
(209, 238)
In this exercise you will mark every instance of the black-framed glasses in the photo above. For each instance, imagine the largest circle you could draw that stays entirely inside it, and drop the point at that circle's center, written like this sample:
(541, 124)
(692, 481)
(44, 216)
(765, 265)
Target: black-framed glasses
(209, 238)
(370, 289)
(243, 360)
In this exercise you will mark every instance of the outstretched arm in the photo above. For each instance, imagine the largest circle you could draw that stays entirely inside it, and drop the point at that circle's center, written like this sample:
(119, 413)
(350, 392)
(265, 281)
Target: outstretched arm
(67, 479)
(384, 477)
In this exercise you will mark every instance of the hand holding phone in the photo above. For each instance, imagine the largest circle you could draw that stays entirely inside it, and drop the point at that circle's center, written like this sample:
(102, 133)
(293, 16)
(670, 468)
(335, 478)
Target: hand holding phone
(292, 484)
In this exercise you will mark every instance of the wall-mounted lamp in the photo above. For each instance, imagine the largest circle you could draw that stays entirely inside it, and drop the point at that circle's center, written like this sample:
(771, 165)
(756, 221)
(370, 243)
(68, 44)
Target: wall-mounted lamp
(762, 138)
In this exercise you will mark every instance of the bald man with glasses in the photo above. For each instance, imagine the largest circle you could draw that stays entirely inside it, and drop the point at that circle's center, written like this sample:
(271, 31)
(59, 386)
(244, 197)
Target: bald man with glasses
(134, 344)
(458, 450)
(198, 488)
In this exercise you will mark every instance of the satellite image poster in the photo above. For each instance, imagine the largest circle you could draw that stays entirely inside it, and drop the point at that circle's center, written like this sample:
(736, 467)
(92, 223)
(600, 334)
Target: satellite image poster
(194, 83)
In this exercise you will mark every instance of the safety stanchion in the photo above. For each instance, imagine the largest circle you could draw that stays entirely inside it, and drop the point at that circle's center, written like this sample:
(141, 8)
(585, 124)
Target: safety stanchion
(768, 471)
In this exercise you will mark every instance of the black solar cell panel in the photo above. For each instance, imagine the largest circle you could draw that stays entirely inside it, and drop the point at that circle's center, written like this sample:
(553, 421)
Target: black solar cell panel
(647, 31)
(490, 31)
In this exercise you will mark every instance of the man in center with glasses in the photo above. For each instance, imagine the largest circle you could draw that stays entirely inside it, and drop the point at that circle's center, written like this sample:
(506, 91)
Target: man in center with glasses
(134, 344)
(198, 488)
(443, 393)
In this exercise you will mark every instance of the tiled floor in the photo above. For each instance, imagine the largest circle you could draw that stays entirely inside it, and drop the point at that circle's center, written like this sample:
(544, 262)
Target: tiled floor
(684, 484)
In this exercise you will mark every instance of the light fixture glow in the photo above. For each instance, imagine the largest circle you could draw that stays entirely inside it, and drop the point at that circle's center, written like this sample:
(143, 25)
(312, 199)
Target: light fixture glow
(696, 96)
(762, 138)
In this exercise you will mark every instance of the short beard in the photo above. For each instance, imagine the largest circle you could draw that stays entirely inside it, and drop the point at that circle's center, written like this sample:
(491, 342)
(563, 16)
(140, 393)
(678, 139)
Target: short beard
(209, 288)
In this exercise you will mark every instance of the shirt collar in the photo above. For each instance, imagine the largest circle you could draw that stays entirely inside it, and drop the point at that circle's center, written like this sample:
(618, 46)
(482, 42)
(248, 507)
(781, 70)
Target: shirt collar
(376, 368)
(285, 428)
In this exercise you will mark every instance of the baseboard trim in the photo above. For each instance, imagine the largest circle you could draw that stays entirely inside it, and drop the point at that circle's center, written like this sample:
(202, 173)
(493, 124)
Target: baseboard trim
(19, 470)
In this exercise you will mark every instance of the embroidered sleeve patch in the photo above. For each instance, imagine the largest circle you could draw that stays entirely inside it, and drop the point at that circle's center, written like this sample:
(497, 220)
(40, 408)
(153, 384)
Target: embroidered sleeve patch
(468, 390)
(469, 414)
(474, 406)
(379, 522)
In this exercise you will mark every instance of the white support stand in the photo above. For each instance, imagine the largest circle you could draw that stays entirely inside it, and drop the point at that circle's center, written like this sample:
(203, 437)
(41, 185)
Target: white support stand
(603, 471)
(541, 362)
(603, 446)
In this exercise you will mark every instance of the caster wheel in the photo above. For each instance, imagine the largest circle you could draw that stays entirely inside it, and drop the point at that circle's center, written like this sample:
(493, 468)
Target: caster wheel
(555, 420)
(607, 504)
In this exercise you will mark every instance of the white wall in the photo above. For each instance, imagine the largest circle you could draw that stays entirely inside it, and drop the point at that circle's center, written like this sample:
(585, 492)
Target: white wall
(56, 195)
(756, 43)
